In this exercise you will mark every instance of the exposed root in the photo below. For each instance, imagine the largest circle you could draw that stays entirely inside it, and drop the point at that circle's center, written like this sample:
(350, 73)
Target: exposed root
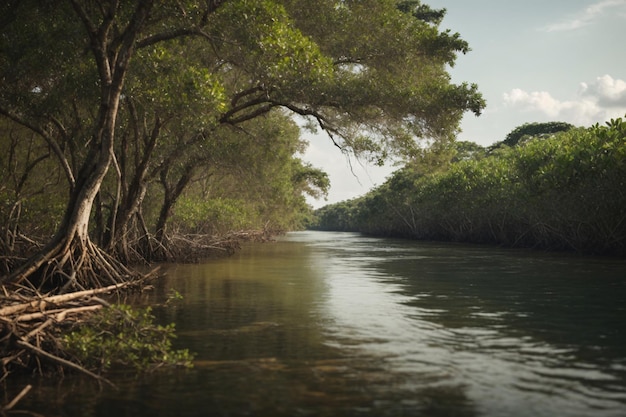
(32, 325)
(14, 250)
(193, 248)
(78, 265)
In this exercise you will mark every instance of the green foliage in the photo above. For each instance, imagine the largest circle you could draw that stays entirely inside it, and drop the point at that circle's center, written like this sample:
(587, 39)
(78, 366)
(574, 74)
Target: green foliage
(212, 216)
(390, 83)
(270, 47)
(124, 337)
(561, 192)
(256, 181)
(465, 150)
(31, 186)
(173, 296)
(177, 83)
(337, 216)
(422, 11)
(312, 181)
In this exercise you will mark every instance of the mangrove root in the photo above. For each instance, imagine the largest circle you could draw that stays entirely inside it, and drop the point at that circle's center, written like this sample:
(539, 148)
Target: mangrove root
(32, 326)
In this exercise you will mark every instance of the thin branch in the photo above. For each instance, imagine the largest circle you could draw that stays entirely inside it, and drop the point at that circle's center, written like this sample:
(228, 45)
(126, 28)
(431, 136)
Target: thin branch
(166, 36)
(228, 116)
(55, 299)
(62, 361)
(238, 96)
(212, 6)
(321, 120)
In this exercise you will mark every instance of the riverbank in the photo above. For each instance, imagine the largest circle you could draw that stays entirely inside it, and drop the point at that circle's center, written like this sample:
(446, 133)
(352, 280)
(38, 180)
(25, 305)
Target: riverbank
(561, 192)
(95, 330)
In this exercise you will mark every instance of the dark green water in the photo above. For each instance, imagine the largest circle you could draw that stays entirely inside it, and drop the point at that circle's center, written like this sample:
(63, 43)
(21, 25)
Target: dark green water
(336, 324)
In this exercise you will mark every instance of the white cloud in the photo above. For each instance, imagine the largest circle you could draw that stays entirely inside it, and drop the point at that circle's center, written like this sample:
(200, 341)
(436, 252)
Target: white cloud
(607, 91)
(537, 100)
(589, 15)
(598, 101)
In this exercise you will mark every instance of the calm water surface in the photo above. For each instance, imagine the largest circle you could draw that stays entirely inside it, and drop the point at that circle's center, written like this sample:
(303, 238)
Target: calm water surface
(337, 324)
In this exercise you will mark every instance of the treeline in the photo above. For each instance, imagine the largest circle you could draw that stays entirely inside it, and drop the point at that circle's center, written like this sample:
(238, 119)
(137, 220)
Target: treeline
(555, 187)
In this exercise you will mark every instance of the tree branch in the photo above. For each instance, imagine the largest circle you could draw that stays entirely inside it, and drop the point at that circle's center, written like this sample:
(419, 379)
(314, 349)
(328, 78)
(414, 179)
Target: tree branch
(321, 120)
(248, 116)
(55, 299)
(62, 361)
(212, 6)
(166, 36)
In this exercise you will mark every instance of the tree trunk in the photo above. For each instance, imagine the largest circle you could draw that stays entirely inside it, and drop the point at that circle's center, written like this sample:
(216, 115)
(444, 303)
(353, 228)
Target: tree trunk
(134, 192)
(171, 195)
(70, 259)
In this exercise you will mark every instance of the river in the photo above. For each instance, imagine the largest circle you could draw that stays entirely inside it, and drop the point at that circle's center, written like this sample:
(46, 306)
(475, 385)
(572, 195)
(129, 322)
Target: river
(338, 324)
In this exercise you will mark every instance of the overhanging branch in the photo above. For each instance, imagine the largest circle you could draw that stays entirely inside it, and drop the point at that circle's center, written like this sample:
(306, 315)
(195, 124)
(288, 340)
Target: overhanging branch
(321, 120)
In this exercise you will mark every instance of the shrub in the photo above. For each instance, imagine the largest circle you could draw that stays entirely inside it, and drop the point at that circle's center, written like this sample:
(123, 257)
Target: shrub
(122, 336)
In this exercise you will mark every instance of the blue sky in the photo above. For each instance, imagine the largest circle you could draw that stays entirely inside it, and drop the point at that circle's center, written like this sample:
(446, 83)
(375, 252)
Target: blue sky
(534, 61)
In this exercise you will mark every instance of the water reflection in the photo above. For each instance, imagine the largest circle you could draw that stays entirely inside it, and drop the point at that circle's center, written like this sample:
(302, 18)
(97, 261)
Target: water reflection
(517, 331)
(336, 324)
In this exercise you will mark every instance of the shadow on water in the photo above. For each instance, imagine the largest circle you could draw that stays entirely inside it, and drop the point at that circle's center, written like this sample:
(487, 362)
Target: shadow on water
(337, 324)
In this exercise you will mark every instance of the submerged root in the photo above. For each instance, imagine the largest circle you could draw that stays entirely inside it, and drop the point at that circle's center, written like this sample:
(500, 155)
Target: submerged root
(32, 324)
(80, 332)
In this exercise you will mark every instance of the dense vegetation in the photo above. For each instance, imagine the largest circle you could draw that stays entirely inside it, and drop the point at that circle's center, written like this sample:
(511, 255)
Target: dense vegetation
(126, 125)
(562, 191)
(142, 131)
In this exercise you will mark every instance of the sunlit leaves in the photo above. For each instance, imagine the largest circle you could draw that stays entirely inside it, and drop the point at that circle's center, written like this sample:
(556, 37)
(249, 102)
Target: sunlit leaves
(390, 70)
(253, 180)
(170, 81)
(260, 37)
(213, 216)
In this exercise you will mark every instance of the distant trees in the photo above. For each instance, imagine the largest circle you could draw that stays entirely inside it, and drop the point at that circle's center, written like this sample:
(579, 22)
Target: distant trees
(531, 130)
(113, 113)
(562, 192)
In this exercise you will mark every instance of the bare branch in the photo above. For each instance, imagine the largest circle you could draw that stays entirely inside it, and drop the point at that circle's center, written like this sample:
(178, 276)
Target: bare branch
(62, 361)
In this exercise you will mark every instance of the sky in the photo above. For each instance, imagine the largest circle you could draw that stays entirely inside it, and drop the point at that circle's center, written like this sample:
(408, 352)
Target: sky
(533, 61)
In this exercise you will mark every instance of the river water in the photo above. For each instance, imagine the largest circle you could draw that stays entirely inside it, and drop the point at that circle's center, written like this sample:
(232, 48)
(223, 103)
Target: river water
(338, 324)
